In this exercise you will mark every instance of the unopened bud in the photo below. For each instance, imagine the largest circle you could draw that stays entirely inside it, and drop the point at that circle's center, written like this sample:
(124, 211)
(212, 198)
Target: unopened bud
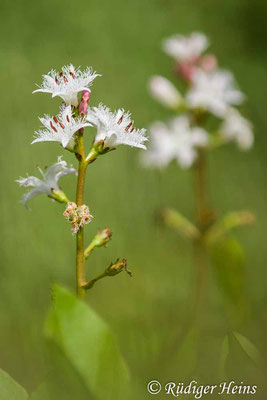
(186, 70)
(59, 196)
(165, 92)
(83, 107)
(85, 95)
(118, 267)
(208, 63)
(102, 238)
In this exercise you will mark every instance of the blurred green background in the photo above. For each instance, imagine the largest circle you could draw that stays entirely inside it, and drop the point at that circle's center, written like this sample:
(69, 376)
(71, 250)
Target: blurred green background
(121, 39)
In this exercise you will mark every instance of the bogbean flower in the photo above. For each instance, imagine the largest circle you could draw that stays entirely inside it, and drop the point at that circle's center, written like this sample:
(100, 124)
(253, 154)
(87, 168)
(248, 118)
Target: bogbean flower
(178, 141)
(186, 48)
(214, 92)
(237, 128)
(48, 185)
(67, 83)
(78, 216)
(187, 52)
(165, 92)
(60, 128)
(115, 128)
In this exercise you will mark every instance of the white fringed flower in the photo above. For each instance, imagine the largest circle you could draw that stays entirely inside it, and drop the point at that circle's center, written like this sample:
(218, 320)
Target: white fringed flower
(49, 183)
(214, 92)
(178, 141)
(115, 128)
(186, 48)
(165, 92)
(237, 128)
(60, 128)
(67, 83)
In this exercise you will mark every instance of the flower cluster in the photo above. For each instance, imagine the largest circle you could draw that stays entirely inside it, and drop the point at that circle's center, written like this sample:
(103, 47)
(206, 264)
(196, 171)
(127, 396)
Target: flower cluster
(210, 91)
(112, 129)
(68, 127)
(78, 216)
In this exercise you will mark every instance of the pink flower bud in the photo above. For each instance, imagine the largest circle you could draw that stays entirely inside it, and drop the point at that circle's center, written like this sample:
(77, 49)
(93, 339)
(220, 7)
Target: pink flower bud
(208, 63)
(86, 95)
(186, 70)
(83, 107)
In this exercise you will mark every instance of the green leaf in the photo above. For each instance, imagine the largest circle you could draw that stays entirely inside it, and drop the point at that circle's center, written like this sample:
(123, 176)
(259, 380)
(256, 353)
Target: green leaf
(63, 381)
(186, 356)
(88, 344)
(223, 357)
(249, 348)
(10, 389)
(227, 223)
(228, 262)
(174, 219)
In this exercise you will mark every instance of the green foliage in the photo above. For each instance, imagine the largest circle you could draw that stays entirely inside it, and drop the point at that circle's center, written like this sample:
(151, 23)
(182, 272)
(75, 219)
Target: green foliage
(88, 344)
(228, 261)
(250, 349)
(10, 389)
(223, 357)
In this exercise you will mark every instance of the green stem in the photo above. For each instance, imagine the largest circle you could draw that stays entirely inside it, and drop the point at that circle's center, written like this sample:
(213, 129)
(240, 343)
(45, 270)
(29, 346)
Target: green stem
(89, 250)
(91, 283)
(80, 260)
(201, 216)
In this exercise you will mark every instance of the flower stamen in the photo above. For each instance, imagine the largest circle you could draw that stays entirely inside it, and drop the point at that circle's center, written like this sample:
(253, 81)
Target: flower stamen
(128, 126)
(120, 120)
(53, 127)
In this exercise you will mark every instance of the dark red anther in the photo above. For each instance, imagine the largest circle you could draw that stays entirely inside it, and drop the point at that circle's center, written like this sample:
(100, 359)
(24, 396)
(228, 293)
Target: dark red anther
(62, 126)
(68, 118)
(61, 74)
(120, 120)
(55, 120)
(56, 80)
(133, 128)
(128, 126)
(65, 79)
(72, 74)
(52, 126)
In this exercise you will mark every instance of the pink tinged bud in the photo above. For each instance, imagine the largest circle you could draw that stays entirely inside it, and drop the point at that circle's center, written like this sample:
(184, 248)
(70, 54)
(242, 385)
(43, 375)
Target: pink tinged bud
(83, 107)
(186, 71)
(208, 63)
(85, 95)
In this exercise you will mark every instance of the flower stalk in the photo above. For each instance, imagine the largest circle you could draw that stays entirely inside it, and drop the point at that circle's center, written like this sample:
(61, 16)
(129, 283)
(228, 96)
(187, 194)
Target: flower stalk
(80, 259)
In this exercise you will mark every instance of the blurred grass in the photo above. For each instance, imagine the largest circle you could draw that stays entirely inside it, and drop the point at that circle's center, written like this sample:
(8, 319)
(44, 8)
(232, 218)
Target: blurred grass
(121, 40)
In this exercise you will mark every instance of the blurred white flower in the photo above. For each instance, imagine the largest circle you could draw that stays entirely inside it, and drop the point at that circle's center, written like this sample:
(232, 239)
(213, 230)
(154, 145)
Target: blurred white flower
(177, 140)
(186, 48)
(115, 128)
(237, 128)
(60, 128)
(67, 83)
(165, 92)
(214, 92)
(49, 183)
